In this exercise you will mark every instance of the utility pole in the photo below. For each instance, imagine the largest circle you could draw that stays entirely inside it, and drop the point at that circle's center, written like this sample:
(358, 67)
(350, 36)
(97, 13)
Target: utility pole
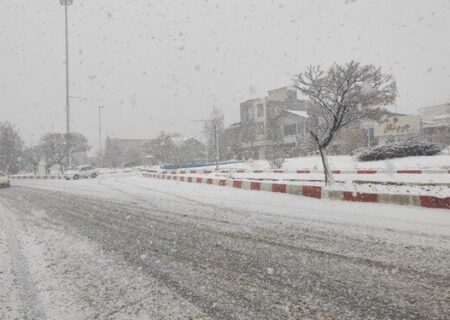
(206, 144)
(216, 139)
(100, 156)
(66, 4)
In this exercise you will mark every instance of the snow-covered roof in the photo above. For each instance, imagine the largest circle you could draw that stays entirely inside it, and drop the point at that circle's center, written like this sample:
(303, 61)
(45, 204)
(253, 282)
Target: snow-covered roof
(430, 124)
(179, 140)
(302, 114)
(444, 116)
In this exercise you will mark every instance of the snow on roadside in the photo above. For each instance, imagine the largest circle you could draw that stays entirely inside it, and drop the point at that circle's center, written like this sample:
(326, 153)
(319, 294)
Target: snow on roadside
(441, 191)
(441, 161)
(433, 191)
(314, 163)
(400, 178)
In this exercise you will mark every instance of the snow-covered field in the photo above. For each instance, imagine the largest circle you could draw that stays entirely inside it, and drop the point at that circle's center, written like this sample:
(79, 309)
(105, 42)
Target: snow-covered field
(350, 163)
(441, 161)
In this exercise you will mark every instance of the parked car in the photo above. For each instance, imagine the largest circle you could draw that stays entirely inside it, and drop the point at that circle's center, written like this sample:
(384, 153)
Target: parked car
(4, 180)
(81, 172)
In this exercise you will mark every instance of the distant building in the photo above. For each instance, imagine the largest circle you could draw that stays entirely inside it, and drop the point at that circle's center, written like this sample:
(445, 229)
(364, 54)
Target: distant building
(292, 128)
(436, 123)
(439, 114)
(259, 116)
(231, 142)
(352, 138)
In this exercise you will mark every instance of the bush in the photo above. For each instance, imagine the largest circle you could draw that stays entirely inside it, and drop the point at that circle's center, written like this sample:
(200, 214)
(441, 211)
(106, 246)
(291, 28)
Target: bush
(400, 150)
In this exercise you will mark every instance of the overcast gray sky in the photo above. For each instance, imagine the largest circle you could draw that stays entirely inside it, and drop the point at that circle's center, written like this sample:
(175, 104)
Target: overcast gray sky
(158, 64)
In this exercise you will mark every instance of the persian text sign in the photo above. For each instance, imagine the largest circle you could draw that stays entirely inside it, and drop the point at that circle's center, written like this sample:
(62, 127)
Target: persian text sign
(397, 126)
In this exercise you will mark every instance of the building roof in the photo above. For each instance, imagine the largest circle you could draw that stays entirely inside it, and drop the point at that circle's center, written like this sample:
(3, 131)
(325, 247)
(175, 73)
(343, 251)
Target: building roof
(437, 106)
(299, 113)
(431, 124)
(443, 116)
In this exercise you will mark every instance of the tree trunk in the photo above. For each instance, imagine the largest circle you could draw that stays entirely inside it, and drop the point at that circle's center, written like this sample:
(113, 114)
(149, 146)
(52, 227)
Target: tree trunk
(329, 179)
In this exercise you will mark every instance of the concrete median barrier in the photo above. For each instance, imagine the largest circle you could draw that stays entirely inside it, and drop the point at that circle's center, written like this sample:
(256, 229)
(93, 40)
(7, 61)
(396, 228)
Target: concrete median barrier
(312, 191)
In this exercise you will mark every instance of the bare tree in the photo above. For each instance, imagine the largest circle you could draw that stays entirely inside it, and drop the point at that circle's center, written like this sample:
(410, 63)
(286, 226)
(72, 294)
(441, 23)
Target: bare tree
(164, 149)
(341, 95)
(56, 147)
(33, 156)
(76, 142)
(11, 146)
(276, 153)
(53, 147)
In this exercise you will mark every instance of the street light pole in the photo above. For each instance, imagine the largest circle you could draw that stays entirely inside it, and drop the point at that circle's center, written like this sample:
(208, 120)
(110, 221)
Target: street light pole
(100, 157)
(216, 137)
(66, 4)
(206, 144)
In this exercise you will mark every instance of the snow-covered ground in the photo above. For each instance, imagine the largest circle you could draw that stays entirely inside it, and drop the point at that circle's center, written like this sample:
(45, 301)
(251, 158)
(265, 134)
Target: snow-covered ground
(382, 177)
(128, 247)
(441, 161)
(416, 184)
(437, 185)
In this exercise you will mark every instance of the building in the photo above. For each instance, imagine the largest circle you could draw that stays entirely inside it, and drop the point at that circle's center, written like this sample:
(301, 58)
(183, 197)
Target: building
(292, 130)
(436, 123)
(231, 142)
(259, 120)
(352, 138)
(439, 114)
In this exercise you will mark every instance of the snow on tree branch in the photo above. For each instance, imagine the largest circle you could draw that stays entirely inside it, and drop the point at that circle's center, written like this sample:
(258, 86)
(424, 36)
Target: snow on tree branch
(341, 95)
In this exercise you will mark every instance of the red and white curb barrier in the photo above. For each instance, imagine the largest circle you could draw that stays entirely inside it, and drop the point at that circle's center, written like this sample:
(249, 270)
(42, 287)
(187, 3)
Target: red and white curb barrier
(49, 177)
(317, 192)
(309, 171)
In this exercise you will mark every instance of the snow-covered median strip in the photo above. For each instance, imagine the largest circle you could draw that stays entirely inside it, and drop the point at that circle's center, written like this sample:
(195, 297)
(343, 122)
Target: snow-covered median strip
(403, 195)
(312, 171)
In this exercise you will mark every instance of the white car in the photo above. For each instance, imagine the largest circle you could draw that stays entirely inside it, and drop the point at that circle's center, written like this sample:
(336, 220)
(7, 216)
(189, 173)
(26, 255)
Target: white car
(81, 172)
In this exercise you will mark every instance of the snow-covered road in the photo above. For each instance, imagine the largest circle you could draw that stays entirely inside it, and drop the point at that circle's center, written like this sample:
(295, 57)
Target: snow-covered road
(126, 247)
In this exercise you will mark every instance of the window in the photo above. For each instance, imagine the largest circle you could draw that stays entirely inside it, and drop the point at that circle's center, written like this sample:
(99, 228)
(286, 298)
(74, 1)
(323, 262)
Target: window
(300, 128)
(260, 110)
(290, 130)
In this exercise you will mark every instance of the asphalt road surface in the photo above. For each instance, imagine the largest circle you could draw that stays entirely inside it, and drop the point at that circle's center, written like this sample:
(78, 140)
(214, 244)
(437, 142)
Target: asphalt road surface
(126, 247)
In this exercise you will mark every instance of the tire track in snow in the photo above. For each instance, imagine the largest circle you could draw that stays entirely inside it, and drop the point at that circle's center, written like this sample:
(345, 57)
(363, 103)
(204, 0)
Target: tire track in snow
(31, 305)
